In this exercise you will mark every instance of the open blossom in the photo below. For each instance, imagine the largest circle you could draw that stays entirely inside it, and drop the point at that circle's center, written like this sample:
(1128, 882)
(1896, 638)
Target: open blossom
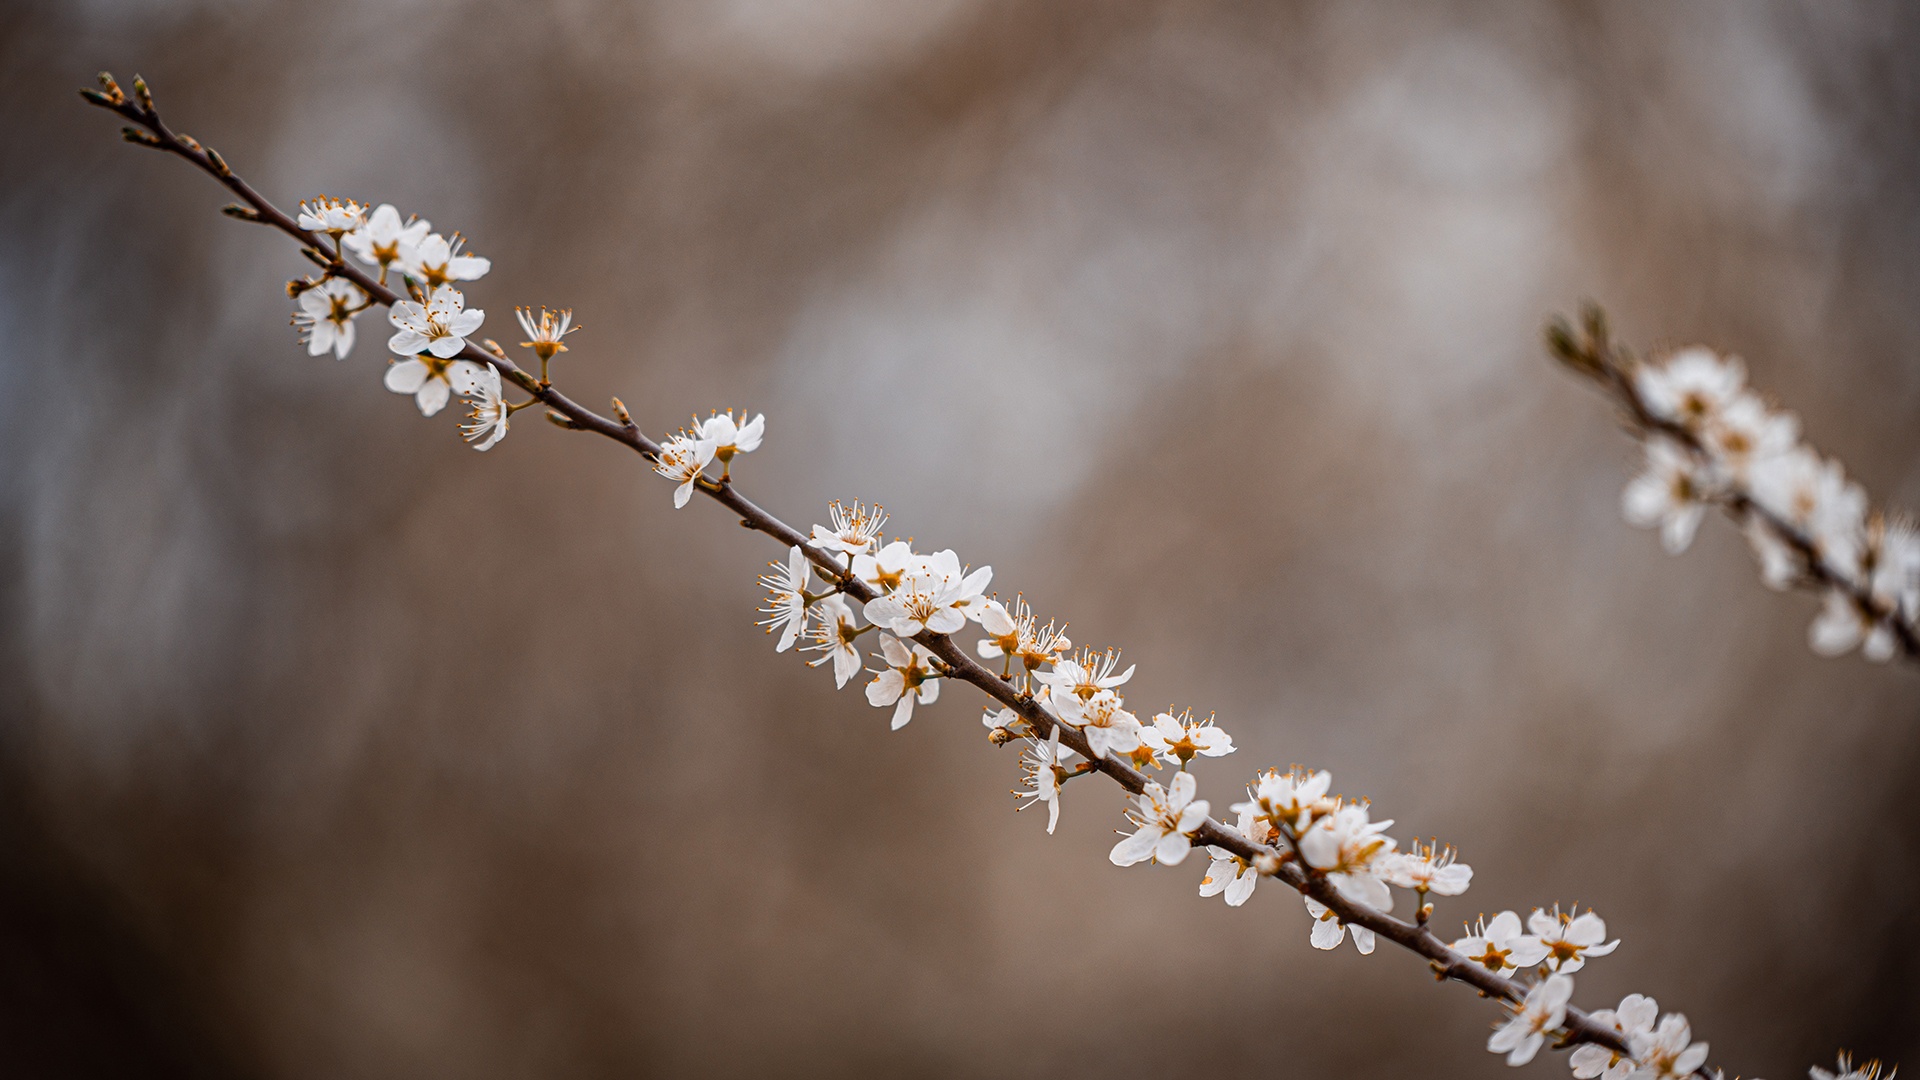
(1018, 635)
(1668, 1052)
(1570, 939)
(1046, 771)
(1352, 851)
(887, 568)
(486, 423)
(1890, 567)
(1543, 1011)
(1632, 1019)
(1291, 799)
(329, 215)
(1072, 683)
(934, 596)
(380, 240)
(854, 531)
(1692, 387)
(326, 316)
(435, 261)
(432, 380)
(834, 636)
(730, 437)
(1428, 868)
(1182, 738)
(1670, 494)
(1500, 946)
(1842, 624)
(786, 607)
(1107, 726)
(907, 678)
(547, 334)
(441, 327)
(681, 460)
(1813, 496)
(1166, 819)
(1229, 873)
(1746, 432)
(1847, 1071)
(1780, 564)
(1329, 931)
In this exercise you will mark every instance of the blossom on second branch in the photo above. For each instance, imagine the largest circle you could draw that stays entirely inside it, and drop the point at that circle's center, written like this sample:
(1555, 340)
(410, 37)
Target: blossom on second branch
(1165, 819)
(441, 327)
(1229, 873)
(326, 316)
(1107, 726)
(854, 531)
(1182, 738)
(887, 568)
(1352, 852)
(486, 423)
(907, 678)
(1843, 624)
(786, 607)
(1543, 1011)
(1670, 493)
(1329, 931)
(729, 437)
(1890, 571)
(1046, 772)
(1847, 1070)
(1500, 946)
(1814, 497)
(1633, 1018)
(431, 380)
(1074, 682)
(1692, 387)
(380, 241)
(1746, 432)
(682, 460)
(835, 636)
(1780, 564)
(335, 217)
(1293, 798)
(435, 261)
(1668, 1052)
(1570, 939)
(1427, 868)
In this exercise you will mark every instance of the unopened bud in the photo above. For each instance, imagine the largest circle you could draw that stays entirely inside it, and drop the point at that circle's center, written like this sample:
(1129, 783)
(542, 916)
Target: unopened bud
(142, 94)
(318, 258)
(493, 347)
(191, 142)
(999, 736)
(244, 213)
(621, 414)
(1267, 863)
(95, 97)
(559, 421)
(298, 286)
(140, 138)
(111, 88)
(219, 163)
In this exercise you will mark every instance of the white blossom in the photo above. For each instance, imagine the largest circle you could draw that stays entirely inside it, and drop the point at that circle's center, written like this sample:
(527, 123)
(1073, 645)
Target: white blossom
(908, 677)
(682, 459)
(435, 261)
(1570, 939)
(380, 241)
(1291, 799)
(1543, 1011)
(933, 596)
(1165, 820)
(730, 437)
(1002, 717)
(329, 215)
(1667, 1053)
(1842, 624)
(486, 423)
(1692, 387)
(1229, 873)
(854, 531)
(1501, 946)
(1352, 851)
(1017, 634)
(1074, 681)
(1746, 432)
(887, 568)
(786, 607)
(1329, 931)
(546, 334)
(1633, 1018)
(432, 380)
(1780, 564)
(1107, 726)
(834, 636)
(1847, 1070)
(1182, 738)
(1669, 494)
(1427, 868)
(1046, 771)
(326, 316)
(441, 327)
(1813, 496)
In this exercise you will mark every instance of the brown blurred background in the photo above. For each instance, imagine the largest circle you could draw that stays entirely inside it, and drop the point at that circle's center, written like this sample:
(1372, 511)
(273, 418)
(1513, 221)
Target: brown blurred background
(331, 749)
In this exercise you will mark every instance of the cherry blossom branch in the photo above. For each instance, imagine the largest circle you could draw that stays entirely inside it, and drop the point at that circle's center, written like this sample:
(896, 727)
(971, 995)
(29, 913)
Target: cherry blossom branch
(1299, 844)
(1711, 441)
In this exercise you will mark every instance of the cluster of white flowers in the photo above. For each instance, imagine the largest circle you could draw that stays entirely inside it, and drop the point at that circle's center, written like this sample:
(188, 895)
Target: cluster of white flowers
(1714, 441)
(685, 455)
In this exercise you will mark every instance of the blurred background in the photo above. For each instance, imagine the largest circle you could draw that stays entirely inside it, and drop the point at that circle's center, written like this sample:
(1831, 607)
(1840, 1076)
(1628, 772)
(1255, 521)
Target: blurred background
(332, 749)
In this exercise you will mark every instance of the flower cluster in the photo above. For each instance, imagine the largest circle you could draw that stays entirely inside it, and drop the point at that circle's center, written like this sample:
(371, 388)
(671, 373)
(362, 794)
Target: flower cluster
(1710, 440)
(685, 455)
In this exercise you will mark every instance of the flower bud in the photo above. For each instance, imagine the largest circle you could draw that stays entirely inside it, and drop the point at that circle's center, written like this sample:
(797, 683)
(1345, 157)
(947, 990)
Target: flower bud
(111, 88)
(142, 94)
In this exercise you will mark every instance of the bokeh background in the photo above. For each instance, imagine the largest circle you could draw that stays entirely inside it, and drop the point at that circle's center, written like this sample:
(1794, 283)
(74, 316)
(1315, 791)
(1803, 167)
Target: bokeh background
(332, 749)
